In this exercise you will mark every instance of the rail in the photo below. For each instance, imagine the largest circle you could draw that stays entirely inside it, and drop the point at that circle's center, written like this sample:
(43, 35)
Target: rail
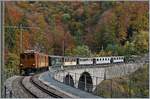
(43, 89)
(27, 90)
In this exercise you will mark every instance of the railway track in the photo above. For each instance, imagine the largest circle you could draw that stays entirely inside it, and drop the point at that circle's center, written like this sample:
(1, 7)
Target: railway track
(43, 89)
(27, 90)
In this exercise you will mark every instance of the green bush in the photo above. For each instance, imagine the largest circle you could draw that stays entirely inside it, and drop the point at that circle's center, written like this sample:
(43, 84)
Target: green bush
(135, 85)
(82, 51)
(11, 65)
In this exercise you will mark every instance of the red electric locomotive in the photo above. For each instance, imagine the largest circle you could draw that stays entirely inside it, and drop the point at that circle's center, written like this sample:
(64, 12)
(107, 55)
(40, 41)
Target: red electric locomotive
(31, 61)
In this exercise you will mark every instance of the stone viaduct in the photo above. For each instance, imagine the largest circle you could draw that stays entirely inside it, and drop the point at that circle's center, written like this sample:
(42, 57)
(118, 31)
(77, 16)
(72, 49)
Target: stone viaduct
(88, 78)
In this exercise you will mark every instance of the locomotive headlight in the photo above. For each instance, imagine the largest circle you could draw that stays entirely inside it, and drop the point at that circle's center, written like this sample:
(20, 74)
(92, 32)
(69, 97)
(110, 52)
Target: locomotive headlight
(21, 65)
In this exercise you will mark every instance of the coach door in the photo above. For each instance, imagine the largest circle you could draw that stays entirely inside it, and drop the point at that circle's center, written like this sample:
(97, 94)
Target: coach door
(111, 60)
(77, 61)
(94, 61)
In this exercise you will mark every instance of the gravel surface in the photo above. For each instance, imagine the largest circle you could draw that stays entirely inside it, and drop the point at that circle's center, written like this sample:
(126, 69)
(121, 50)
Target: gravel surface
(8, 92)
(18, 90)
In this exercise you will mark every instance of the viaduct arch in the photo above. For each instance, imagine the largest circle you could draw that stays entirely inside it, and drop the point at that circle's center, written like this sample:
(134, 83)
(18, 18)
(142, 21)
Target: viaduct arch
(85, 82)
(68, 80)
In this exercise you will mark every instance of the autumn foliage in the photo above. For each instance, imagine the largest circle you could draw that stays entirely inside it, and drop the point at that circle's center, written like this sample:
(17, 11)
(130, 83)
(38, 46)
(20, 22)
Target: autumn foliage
(66, 25)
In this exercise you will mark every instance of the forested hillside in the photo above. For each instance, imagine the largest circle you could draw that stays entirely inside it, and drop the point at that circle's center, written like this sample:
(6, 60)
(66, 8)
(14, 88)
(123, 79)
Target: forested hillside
(77, 28)
(129, 86)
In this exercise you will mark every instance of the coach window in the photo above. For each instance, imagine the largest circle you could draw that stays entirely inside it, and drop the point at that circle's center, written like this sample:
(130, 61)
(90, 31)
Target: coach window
(66, 60)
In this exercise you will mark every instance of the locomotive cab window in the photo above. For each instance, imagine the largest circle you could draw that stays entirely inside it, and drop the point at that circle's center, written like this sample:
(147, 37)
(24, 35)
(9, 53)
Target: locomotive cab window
(28, 56)
(32, 55)
(22, 56)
